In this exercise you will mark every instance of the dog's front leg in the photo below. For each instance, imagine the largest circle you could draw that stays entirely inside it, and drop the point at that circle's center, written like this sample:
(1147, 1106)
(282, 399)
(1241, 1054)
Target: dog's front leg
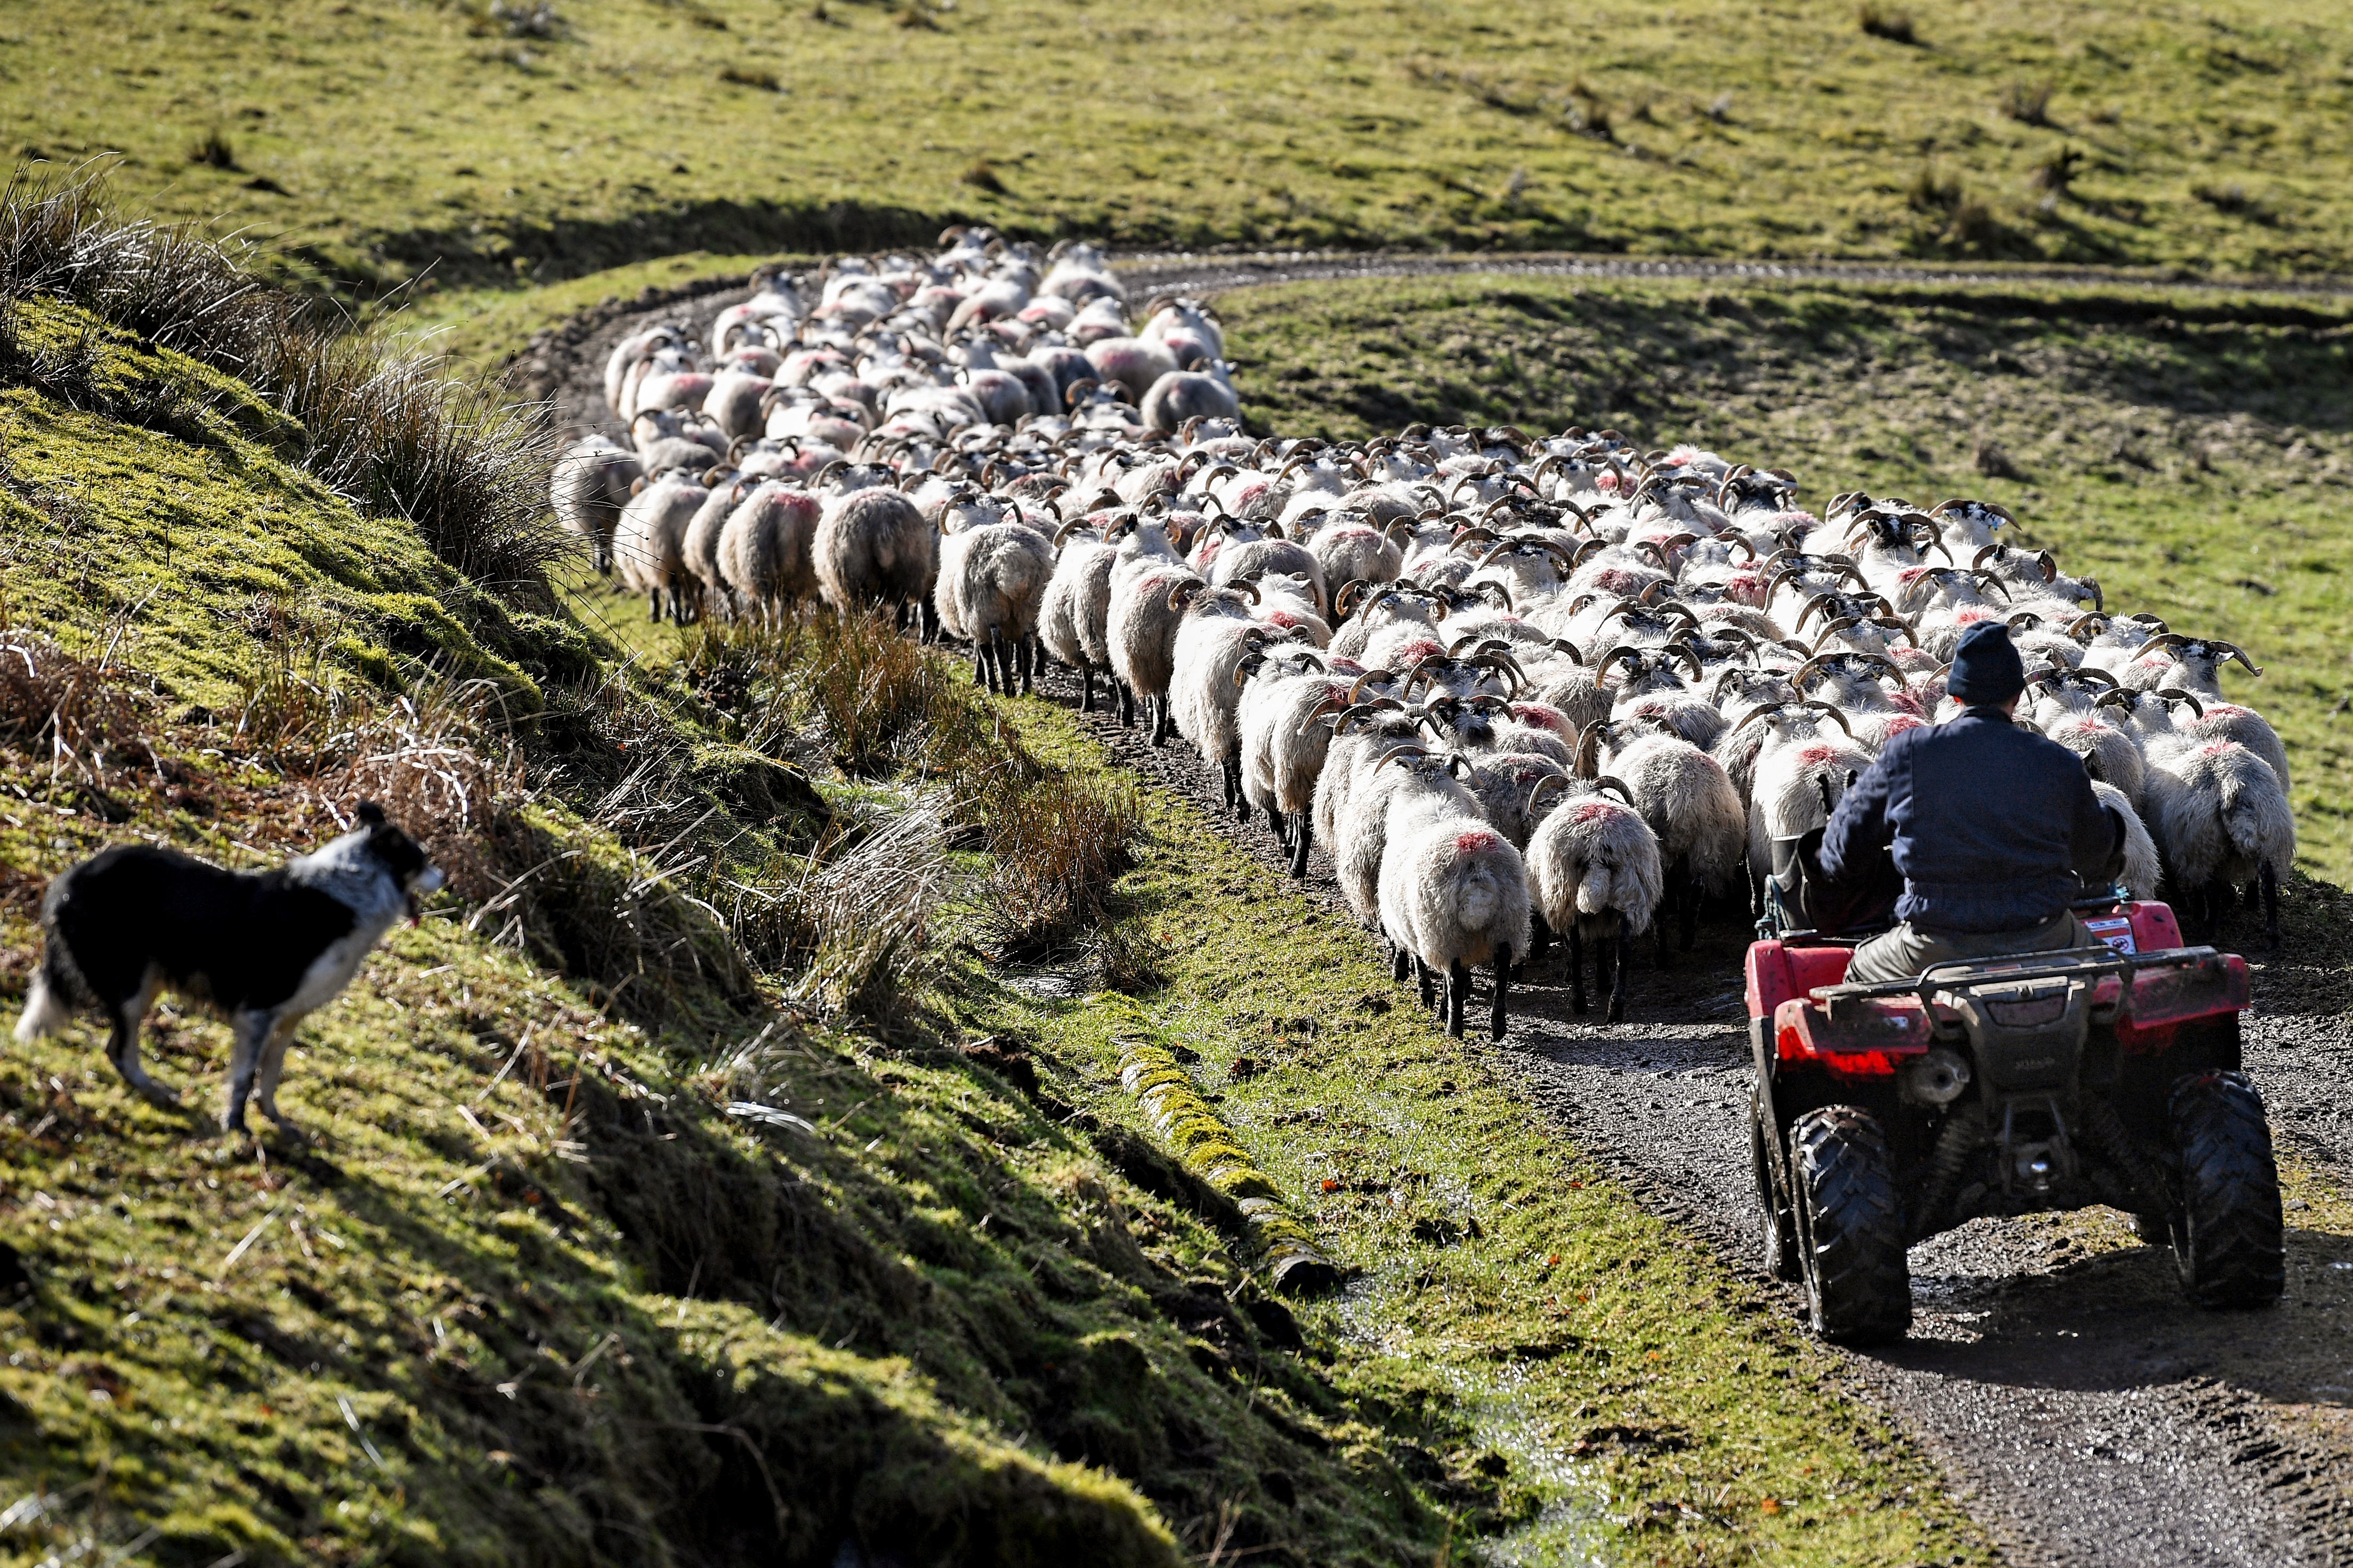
(273, 1066)
(253, 1032)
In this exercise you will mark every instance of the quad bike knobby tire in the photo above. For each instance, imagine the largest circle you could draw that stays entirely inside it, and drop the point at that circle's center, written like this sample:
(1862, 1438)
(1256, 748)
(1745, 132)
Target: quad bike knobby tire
(1777, 1226)
(2229, 1248)
(1851, 1236)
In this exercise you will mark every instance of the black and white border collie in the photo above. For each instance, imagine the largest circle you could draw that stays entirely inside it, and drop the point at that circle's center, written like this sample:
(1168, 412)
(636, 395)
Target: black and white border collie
(263, 951)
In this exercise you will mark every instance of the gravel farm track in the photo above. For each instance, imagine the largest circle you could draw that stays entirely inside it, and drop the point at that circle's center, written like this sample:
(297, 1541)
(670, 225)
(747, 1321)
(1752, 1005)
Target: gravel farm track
(2082, 1411)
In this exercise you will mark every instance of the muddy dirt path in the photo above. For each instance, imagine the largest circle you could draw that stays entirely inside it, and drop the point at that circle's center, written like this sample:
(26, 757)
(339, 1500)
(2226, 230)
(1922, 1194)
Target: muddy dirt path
(2082, 1411)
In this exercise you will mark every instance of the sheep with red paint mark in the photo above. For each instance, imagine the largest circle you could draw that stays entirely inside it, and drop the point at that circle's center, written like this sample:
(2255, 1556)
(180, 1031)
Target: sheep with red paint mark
(1453, 894)
(1596, 875)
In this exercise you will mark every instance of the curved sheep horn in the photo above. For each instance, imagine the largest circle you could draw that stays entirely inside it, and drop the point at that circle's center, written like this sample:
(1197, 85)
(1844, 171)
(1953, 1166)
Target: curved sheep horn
(1544, 781)
(2162, 641)
(1836, 717)
(2048, 563)
(2231, 651)
(1691, 657)
(1562, 646)
(2099, 599)
(1386, 677)
(1182, 594)
(1356, 711)
(1898, 623)
(1976, 561)
(2172, 694)
(1763, 711)
(1247, 586)
(1407, 751)
(1611, 781)
(2029, 617)
(1811, 666)
(1989, 579)
(2093, 673)
(1586, 760)
(1813, 605)
(1342, 600)
(1064, 531)
(1468, 766)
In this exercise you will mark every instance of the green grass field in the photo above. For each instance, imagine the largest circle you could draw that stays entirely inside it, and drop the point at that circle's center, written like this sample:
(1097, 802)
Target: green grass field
(370, 138)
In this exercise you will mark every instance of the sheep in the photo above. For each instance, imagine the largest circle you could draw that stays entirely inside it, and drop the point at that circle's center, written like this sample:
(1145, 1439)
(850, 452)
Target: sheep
(1141, 628)
(1181, 321)
(873, 546)
(2220, 818)
(1215, 634)
(1800, 775)
(648, 542)
(699, 548)
(1453, 893)
(765, 549)
(588, 487)
(1133, 363)
(1203, 390)
(2143, 867)
(1284, 740)
(1351, 812)
(1593, 865)
(992, 576)
(1074, 619)
(1690, 807)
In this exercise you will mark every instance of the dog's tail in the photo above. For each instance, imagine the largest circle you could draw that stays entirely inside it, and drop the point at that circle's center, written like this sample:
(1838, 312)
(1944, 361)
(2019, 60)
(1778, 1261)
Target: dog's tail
(45, 1008)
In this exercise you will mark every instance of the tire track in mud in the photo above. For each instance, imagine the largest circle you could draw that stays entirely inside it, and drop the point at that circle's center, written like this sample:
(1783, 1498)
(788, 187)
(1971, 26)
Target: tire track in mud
(2086, 1414)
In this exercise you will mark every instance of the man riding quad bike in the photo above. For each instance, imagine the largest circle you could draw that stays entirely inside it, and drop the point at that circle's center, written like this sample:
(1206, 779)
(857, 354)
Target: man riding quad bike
(2008, 1044)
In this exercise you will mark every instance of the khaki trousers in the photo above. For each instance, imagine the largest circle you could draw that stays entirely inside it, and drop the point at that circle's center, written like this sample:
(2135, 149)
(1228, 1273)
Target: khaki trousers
(1907, 950)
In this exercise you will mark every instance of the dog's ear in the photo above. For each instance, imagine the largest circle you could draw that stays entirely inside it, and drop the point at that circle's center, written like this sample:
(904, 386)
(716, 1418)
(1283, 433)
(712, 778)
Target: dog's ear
(369, 813)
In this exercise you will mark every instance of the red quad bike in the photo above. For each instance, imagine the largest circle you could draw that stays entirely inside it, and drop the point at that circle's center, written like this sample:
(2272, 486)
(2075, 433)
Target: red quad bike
(2047, 1081)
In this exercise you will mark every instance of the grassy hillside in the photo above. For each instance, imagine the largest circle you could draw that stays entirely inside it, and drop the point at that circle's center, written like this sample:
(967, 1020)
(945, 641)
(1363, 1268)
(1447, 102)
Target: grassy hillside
(692, 1185)
(2196, 457)
(545, 140)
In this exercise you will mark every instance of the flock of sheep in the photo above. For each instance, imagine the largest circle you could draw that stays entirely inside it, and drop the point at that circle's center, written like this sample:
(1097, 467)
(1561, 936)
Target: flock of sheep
(1515, 686)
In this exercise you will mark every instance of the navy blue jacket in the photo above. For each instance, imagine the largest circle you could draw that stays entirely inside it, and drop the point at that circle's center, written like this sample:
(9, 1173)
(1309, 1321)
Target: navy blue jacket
(1995, 828)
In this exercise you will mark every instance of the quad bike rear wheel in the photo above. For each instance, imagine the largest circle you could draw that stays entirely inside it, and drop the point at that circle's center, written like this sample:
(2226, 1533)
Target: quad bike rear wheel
(1851, 1238)
(2229, 1248)
(1777, 1226)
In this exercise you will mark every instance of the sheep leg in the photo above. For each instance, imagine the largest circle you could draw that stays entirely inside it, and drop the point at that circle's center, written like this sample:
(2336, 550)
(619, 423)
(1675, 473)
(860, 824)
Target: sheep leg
(1423, 982)
(1539, 938)
(1278, 824)
(2269, 878)
(653, 605)
(1302, 834)
(1234, 790)
(1126, 702)
(1026, 656)
(1160, 720)
(1496, 1022)
(1625, 963)
(1602, 951)
(1086, 689)
(1458, 996)
(980, 671)
(1575, 936)
(1400, 962)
